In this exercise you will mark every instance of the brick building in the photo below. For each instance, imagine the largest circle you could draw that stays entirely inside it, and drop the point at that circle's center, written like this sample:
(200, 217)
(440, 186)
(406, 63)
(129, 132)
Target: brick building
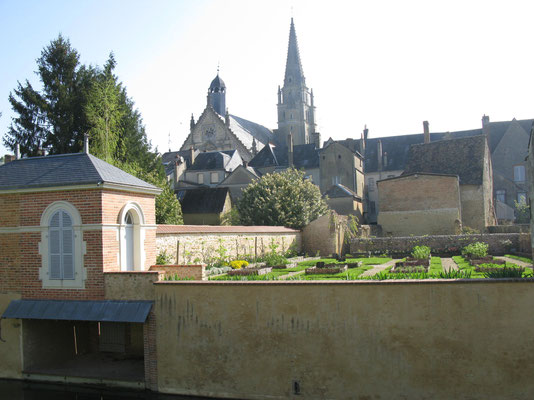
(65, 222)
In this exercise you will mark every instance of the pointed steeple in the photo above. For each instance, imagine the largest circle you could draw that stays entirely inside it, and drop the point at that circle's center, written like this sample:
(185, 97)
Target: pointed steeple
(294, 73)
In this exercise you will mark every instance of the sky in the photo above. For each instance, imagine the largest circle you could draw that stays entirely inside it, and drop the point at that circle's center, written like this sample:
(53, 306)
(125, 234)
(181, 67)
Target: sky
(385, 64)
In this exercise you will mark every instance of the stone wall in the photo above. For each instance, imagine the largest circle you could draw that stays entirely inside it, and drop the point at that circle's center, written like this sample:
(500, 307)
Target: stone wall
(324, 236)
(130, 285)
(197, 244)
(420, 204)
(346, 340)
(195, 272)
(499, 243)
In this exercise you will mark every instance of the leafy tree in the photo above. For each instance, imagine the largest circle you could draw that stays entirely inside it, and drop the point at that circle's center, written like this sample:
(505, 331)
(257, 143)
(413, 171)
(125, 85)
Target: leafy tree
(522, 212)
(283, 199)
(168, 209)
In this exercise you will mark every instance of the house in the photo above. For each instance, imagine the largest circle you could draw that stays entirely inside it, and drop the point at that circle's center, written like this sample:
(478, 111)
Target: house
(71, 228)
(386, 157)
(344, 201)
(469, 159)
(210, 168)
(177, 162)
(205, 206)
(239, 179)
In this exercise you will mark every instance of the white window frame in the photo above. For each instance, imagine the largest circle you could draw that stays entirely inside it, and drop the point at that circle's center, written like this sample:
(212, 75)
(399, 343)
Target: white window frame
(518, 175)
(139, 255)
(79, 248)
(214, 175)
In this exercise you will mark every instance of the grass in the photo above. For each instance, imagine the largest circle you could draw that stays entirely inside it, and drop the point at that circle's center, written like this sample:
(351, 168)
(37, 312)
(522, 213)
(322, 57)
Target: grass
(365, 261)
(524, 259)
(435, 265)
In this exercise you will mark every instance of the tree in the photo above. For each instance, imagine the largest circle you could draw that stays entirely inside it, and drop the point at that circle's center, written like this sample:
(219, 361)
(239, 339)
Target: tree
(522, 212)
(168, 209)
(283, 199)
(53, 118)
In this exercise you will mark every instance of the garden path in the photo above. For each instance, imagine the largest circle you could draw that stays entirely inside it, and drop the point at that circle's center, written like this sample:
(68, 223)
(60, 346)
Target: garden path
(516, 262)
(378, 268)
(448, 264)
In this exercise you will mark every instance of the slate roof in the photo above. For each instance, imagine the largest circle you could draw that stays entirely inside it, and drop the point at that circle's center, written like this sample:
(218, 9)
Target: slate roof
(204, 200)
(213, 160)
(246, 131)
(64, 170)
(168, 159)
(463, 157)
(339, 191)
(397, 147)
(304, 156)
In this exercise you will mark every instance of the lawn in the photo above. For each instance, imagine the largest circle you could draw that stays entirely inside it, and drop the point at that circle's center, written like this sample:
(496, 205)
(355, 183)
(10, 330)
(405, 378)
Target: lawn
(524, 259)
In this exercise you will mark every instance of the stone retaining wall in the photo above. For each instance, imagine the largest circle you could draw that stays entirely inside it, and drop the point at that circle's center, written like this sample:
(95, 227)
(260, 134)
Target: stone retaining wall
(188, 244)
(182, 271)
(446, 245)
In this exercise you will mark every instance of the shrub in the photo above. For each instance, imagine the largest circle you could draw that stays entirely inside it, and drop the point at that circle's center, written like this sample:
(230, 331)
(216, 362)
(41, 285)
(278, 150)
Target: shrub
(421, 252)
(454, 274)
(476, 250)
(163, 258)
(273, 259)
(506, 272)
(238, 264)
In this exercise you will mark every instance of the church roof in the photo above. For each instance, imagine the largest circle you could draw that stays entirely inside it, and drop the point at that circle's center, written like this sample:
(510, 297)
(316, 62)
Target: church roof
(65, 170)
(463, 157)
(294, 73)
(246, 131)
(217, 83)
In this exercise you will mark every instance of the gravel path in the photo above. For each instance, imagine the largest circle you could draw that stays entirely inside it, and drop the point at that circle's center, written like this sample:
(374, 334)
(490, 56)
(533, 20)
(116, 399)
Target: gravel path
(380, 267)
(516, 262)
(448, 264)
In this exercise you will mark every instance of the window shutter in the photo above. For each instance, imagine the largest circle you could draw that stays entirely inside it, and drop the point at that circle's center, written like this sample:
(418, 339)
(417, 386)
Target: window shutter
(61, 246)
(54, 246)
(68, 259)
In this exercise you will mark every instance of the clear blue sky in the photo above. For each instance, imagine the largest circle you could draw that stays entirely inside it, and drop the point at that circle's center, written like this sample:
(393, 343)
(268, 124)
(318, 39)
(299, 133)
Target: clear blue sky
(386, 64)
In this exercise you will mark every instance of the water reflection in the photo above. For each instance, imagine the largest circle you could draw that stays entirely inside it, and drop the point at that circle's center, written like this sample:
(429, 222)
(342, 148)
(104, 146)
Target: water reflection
(21, 390)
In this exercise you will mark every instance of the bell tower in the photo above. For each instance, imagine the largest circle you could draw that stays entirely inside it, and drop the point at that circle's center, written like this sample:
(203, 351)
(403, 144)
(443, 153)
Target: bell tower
(296, 110)
(217, 95)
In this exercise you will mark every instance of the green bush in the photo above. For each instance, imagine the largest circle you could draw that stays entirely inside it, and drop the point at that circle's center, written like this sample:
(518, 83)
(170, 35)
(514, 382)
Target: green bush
(506, 272)
(273, 259)
(477, 250)
(455, 274)
(163, 258)
(421, 252)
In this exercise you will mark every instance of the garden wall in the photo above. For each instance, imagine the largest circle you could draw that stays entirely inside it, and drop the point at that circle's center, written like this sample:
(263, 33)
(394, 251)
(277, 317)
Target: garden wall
(188, 244)
(347, 340)
(446, 245)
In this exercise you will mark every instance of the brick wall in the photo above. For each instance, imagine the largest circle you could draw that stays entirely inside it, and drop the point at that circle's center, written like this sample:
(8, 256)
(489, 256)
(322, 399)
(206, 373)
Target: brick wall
(439, 244)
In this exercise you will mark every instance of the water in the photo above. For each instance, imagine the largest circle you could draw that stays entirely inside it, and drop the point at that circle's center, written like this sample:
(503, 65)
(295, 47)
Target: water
(23, 390)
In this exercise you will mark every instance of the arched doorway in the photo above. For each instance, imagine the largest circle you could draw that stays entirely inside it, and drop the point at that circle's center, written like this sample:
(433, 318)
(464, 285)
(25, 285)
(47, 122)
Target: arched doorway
(129, 241)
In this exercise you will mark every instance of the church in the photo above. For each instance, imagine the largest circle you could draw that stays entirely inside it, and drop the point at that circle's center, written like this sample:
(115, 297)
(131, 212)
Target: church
(218, 130)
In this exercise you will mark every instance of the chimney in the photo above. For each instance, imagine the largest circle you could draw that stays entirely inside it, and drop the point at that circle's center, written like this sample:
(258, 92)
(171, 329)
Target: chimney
(426, 131)
(8, 158)
(192, 122)
(485, 124)
(317, 139)
(365, 132)
(86, 143)
(192, 154)
(379, 154)
(227, 118)
(17, 151)
(245, 163)
(176, 169)
(290, 150)
(363, 139)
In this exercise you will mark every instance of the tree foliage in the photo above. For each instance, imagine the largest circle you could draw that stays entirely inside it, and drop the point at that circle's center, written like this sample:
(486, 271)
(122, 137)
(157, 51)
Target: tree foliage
(522, 212)
(283, 199)
(75, 100)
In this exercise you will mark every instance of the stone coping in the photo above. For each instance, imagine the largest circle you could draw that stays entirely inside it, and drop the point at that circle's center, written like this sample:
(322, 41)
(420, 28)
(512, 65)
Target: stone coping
(203, 229)
(132, 272)
(354, 282)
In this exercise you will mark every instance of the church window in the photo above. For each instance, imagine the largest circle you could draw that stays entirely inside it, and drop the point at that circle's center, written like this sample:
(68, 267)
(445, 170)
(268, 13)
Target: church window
(372, 207)
(519, 173)
(500, 195)
(200, 178)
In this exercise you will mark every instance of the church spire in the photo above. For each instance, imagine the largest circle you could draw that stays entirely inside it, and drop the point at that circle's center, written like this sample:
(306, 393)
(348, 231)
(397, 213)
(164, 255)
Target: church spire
(294, 73)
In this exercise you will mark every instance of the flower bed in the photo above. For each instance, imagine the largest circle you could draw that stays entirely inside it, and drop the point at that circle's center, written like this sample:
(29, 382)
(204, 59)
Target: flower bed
(250, 271)
(326, 269)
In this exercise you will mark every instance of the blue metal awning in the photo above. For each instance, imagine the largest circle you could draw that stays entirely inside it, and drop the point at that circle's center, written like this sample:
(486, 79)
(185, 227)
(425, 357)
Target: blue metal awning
(70, 310)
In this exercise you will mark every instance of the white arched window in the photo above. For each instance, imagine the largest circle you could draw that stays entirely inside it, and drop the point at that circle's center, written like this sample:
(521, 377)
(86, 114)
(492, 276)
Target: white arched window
(131, 237)
(62, 247)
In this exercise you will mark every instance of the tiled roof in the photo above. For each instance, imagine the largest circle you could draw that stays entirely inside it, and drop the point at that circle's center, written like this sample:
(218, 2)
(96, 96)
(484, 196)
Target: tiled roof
(338, 190)
(463, 157)
(246, 131)
(200, 229)
(212, 160)
(304, 156)
(64, 170)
